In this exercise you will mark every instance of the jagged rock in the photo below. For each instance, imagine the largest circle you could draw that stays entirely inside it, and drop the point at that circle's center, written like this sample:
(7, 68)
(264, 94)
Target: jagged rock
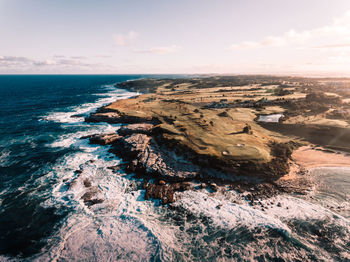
(162, 182)
(214, 187)
(89, 198)
(92, 202)
(249, 197)
(142, 128)
(151, 158)
(87, 182)
(113, 117)
(109, 117)
(184, 186)
(102, 139)
(89, 194)
(164, 192)
(145, 184)
(136, 143)
(203, 185)
(132, 166)
(77, 116)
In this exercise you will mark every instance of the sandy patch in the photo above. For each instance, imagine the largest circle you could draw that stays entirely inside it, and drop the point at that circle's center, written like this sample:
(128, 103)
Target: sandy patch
(307, 157)
(310, 157)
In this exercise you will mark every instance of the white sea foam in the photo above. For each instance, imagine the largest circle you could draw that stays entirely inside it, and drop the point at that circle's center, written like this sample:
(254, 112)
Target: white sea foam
(76, 114)
(107, 239)
(73, 139)
(108, 231)
(223, 213)
(230, 214)
(112, 230)
(125, 227)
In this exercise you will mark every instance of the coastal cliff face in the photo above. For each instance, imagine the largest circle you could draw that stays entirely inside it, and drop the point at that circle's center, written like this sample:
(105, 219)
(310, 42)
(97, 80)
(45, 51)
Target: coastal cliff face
(206, 129)
(169, 166)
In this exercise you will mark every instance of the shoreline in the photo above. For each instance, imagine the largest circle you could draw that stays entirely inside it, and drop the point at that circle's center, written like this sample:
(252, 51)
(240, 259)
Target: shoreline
(168, 140)
(310, 157)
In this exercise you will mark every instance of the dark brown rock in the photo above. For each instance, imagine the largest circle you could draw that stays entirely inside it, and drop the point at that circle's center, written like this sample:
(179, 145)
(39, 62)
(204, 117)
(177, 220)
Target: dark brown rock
(142, 128)
(87, 182)
(164, 192)
(114, 117)
(162, 182)
(145, 184)
(103, 139)
(92, 202)
(109, 117)
(214, 187)
(90, 199)
(151, 158)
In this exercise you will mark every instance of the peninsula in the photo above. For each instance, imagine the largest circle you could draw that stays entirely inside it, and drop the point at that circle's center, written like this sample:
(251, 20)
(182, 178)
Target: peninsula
(233, 130)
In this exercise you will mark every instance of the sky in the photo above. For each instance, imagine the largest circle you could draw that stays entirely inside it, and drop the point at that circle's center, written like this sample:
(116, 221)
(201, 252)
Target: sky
(289, 37)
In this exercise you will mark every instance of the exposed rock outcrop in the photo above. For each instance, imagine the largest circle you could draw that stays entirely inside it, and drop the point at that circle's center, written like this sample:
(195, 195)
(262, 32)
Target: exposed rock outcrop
(114, 117)
(109, 117)
(102, 139)
(151, 158)
(90, 199)
(142, 128)
(164, 192)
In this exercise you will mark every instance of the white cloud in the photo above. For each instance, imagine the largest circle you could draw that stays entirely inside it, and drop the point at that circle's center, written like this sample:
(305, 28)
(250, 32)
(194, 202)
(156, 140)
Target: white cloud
(55, 61)
(335, 35)
(288, 38)
(13, 60)
(54, 64)
(125, 39)
(158, 50)
(332, 46)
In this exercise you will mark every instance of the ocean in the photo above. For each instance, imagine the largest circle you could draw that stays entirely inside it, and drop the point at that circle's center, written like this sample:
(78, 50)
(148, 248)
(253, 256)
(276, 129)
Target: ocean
(43, 218)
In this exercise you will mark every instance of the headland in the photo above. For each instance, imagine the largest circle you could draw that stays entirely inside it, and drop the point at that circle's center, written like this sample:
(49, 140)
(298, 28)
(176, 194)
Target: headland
(236, 131)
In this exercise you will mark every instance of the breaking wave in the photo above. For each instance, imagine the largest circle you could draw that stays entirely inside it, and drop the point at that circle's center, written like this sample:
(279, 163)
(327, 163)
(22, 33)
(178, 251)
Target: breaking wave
(98, 213)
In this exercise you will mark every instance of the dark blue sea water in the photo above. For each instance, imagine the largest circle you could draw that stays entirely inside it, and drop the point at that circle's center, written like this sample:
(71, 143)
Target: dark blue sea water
(44, 218)
(25, 156)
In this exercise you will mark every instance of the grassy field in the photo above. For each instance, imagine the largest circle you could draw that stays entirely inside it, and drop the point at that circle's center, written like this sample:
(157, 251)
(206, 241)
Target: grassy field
(218, 117)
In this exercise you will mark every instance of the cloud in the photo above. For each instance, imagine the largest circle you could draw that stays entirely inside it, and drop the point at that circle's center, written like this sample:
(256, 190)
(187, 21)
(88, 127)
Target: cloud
(158, 50)
(334, 35)
(55, 61)
(334, 46)
(290, 37)
(125, 39)
(54, 64)
(59, 56)
(13, 59)
(78, 57)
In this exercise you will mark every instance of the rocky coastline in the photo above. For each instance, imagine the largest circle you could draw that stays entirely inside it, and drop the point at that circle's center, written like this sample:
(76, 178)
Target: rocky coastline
(167, 167)
(190, 133)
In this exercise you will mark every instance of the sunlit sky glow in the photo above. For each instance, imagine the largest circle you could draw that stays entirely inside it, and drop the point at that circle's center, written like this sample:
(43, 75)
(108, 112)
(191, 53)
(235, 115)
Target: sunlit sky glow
(295, 37)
